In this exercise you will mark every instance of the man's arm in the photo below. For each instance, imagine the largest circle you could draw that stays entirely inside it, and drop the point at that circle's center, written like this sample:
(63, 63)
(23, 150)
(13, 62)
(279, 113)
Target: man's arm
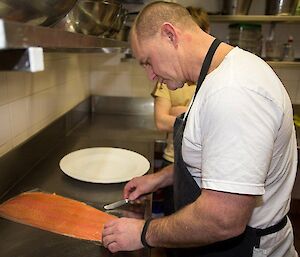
(165, 113)
(163, 120)
(213, 217)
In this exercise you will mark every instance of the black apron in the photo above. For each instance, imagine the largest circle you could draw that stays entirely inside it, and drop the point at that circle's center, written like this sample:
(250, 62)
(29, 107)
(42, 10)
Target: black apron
(187, 191)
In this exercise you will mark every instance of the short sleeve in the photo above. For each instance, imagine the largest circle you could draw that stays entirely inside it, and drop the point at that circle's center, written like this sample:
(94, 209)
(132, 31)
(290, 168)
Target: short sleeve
(161, 90)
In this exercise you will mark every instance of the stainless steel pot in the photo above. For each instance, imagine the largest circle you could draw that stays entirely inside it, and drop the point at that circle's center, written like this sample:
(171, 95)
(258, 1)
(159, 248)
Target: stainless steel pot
(35, 12)
(281, 7)
(91, 17)
(236, 7)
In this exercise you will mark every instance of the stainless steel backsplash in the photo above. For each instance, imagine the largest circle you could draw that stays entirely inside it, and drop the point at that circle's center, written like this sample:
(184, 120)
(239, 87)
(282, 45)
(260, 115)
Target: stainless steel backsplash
(123, 105)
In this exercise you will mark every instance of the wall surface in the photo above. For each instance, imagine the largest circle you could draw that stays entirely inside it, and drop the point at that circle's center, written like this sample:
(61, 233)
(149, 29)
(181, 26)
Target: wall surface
(112, 76)
(30, 101)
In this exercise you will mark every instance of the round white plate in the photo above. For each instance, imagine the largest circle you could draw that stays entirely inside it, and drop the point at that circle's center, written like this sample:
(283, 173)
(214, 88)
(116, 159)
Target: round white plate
(104, 165)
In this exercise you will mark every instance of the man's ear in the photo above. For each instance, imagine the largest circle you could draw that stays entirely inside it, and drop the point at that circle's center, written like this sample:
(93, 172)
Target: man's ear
(168, 31)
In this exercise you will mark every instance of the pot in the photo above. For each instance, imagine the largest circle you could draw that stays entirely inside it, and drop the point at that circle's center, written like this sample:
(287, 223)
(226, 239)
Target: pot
(91, 17)
(35, 12)
(281, 7)
(236, 7)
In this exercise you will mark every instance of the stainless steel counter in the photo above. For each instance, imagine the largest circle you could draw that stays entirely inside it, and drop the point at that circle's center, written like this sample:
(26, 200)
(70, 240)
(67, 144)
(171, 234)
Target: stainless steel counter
(131, 132)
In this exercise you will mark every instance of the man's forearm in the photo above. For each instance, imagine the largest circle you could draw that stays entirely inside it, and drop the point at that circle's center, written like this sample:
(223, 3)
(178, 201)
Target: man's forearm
(205, 221)
(165, 176)
(177, 110)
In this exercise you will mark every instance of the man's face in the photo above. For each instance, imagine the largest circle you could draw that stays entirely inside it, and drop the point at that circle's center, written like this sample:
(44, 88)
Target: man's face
(156, 57)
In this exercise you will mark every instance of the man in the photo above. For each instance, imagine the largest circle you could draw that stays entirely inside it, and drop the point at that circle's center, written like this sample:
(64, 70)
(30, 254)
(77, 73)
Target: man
(168, 104)
(235, 149)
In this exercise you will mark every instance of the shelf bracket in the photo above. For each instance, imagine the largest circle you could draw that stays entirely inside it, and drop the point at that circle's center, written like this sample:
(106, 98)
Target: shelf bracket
(30, 59)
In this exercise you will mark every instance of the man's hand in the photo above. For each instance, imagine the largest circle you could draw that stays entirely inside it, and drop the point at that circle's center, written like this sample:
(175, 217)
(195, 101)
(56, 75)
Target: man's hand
(123, 234)
(139, 186)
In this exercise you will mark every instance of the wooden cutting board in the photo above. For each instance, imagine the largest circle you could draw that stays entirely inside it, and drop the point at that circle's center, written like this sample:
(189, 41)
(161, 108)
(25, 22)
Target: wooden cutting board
(57, 214)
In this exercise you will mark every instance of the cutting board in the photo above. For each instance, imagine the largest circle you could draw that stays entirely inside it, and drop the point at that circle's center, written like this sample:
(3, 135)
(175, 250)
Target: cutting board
(57, 214)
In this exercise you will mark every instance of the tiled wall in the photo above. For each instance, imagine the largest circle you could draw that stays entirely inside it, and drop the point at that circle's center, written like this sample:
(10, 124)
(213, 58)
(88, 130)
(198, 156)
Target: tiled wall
(111, 75)
(30, 101)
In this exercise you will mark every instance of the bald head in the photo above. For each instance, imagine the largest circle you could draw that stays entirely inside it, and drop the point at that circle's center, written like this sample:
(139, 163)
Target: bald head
(151, 18)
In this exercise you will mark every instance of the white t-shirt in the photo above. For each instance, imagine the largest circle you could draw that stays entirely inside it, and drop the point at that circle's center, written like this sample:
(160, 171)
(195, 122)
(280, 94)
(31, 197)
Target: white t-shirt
(240, 135)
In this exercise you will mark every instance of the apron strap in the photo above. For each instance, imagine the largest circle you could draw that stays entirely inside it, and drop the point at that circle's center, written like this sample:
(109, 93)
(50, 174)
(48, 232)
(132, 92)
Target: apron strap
(205, 67)
(207, 61)
(270, 230)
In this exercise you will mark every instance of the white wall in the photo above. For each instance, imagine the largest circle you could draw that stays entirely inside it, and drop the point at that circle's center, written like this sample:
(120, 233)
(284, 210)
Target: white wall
(29, 102)
(112, 77)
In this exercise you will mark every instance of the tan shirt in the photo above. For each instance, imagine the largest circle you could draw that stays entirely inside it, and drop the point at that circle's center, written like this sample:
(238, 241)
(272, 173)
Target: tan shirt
(179, 97)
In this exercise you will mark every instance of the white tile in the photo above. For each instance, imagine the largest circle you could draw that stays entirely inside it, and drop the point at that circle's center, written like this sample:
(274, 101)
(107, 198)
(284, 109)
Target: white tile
(105, 60)
(20, 116)
(21, 138)
(46, 102)
(43, 80)
(5, 128)
(6, 147)
(59, 71)
(114, 86)
(3, 88)
(19, 84)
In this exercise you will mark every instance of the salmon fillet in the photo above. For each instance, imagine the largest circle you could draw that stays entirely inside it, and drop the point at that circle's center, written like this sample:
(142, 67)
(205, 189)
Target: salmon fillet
(57, 214)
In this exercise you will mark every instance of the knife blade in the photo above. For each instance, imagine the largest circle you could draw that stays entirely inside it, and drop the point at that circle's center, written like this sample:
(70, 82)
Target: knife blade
(116, 204)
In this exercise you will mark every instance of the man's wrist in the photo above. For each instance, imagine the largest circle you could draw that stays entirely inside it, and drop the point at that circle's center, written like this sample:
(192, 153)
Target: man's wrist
(144, 232)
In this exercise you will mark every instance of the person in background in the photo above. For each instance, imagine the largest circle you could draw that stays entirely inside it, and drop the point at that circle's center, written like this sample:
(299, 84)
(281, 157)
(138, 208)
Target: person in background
(235, 148)
(168, 104)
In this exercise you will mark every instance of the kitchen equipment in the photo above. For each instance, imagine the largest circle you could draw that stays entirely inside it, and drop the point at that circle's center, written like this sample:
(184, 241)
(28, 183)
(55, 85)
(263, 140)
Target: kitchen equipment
(123, 34)
(35, 12)
(236, 7)
(116, 204)
(298, 9)
(117, 24)
(281, 7)
(271, 45)
(92, 17)
(246, 36)
(288, 52)
(57, 214)
(104, 165)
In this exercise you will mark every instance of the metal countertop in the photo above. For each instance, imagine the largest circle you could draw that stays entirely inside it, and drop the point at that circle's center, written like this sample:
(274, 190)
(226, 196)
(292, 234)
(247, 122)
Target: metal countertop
(129, 132)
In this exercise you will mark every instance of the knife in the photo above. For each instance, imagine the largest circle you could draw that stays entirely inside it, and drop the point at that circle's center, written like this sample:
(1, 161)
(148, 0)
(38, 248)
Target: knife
(116, 204)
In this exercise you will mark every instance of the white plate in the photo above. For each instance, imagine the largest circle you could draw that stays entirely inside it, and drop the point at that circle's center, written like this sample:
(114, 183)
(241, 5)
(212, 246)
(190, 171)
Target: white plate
(104, 165)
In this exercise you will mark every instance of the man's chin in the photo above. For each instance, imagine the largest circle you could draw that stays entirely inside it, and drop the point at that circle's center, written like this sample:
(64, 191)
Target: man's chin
(174, 85)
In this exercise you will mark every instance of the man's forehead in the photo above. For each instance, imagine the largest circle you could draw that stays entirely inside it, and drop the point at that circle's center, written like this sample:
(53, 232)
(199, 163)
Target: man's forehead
(138, 49)
(134, 43)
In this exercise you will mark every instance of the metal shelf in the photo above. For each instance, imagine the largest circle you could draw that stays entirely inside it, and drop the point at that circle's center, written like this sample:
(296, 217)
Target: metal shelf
(254, 18)
(284, 64)
(14, 35)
